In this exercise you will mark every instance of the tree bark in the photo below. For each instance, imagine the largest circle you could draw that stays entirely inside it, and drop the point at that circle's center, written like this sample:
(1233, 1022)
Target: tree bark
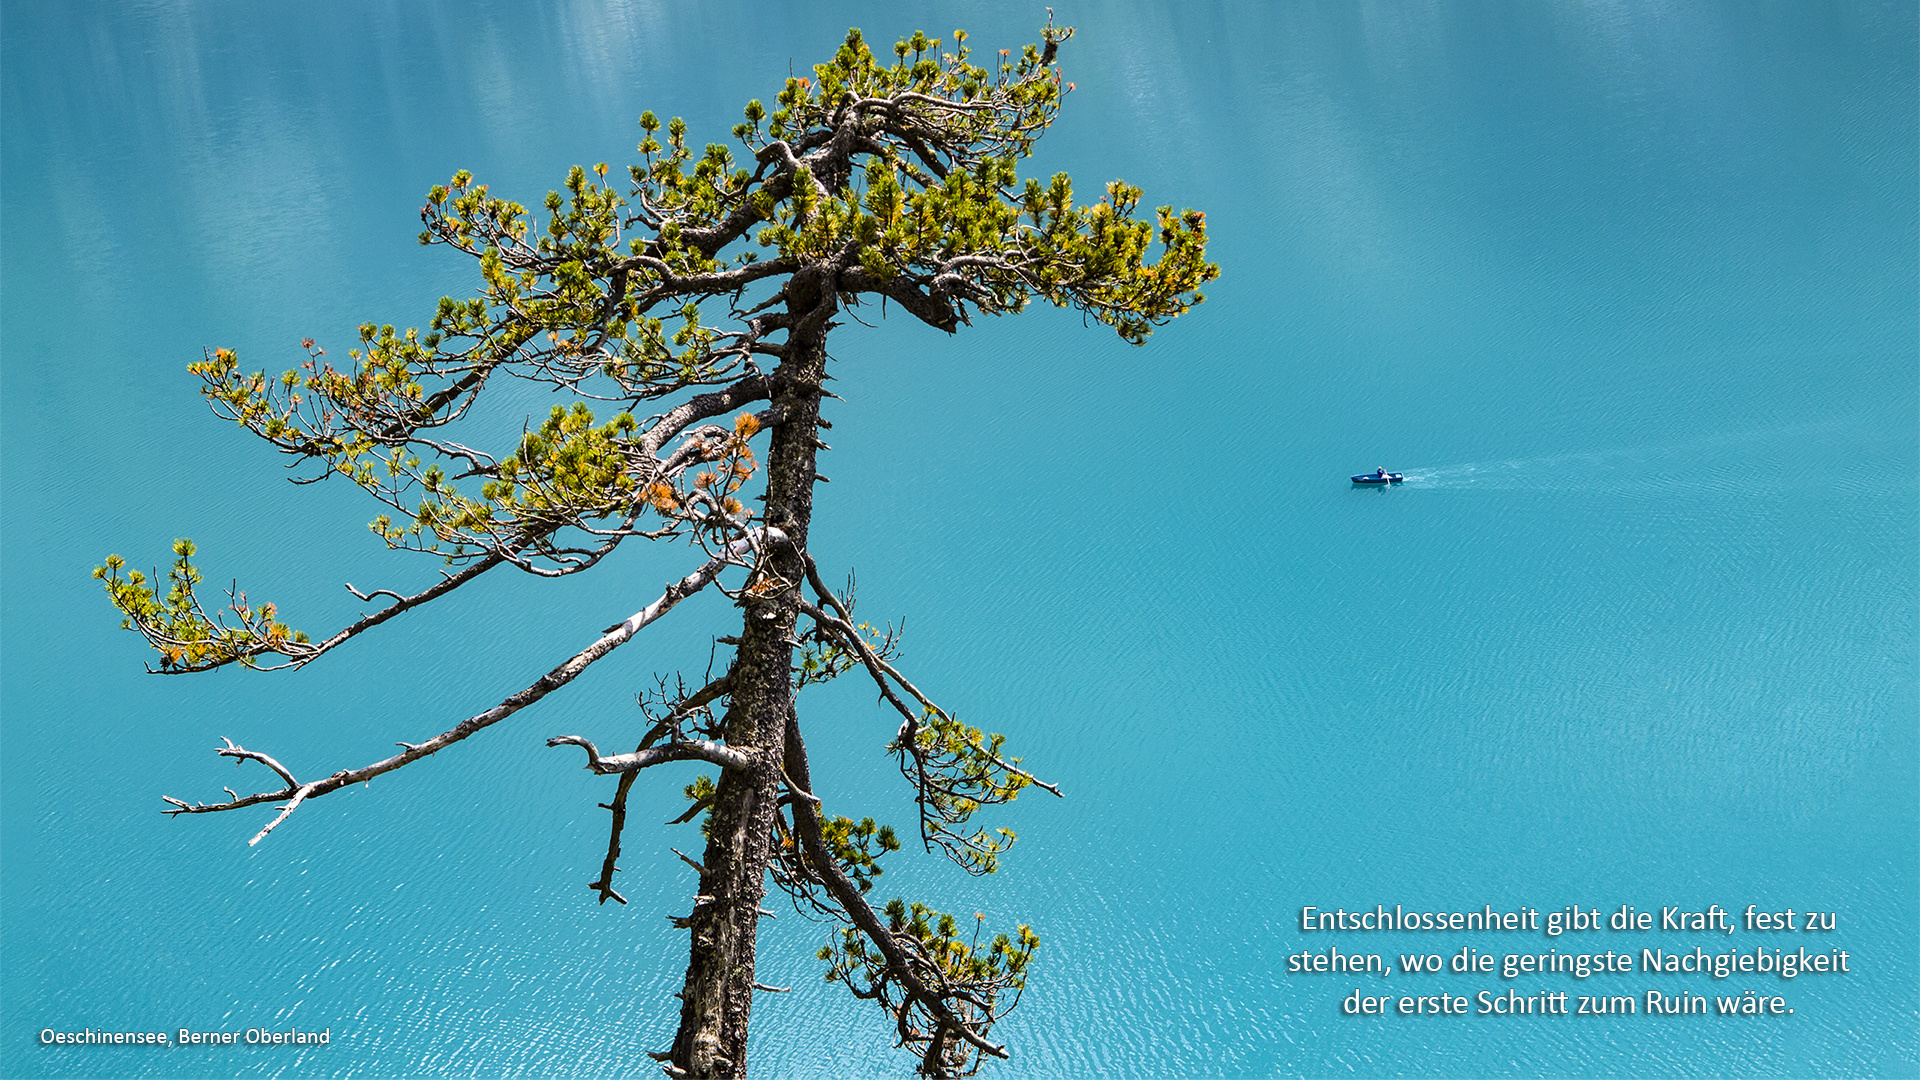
(717, 1000)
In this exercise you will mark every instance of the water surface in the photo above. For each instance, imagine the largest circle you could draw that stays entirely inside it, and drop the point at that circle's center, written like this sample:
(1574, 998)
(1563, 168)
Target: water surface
(1627, 289)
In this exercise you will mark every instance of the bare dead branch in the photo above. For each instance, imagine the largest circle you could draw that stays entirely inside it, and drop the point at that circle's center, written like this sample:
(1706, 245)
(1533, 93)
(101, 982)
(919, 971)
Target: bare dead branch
(233, 751)
(682, 750)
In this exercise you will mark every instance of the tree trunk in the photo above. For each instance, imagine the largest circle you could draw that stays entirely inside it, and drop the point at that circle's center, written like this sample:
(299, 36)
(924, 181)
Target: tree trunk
(717, 1001)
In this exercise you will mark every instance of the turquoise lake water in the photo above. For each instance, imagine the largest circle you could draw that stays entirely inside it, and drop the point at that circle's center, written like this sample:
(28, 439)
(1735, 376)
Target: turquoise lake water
(1628, 289)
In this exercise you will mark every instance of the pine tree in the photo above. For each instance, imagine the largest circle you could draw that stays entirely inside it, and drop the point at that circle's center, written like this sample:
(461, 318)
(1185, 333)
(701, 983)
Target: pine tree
(872, 181)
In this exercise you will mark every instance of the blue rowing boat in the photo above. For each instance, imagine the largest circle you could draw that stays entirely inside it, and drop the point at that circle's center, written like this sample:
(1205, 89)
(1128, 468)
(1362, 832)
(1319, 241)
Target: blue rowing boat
(1379, 478)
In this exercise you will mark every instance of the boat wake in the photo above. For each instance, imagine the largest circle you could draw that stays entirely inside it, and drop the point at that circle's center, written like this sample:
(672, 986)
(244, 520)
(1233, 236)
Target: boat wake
(1774, 458)
(1609, 470)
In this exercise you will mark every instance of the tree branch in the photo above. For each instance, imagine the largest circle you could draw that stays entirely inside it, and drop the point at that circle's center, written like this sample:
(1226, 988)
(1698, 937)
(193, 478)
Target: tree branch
(844, 892)
(933, 310)
(702, 406)
(679, 750)
(234, 751)
(400, 604)
(551, 681)
(842, 624)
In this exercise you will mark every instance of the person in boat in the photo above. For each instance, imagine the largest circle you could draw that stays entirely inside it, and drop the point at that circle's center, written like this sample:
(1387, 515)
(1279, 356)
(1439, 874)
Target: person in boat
(1382, 473)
